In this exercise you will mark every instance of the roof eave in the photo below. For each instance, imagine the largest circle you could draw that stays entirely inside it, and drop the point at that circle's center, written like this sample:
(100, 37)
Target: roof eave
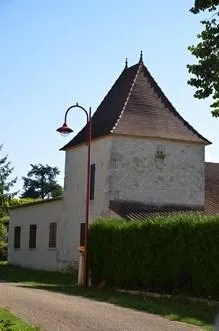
(34, 203)
(201, 141)
(71, 146)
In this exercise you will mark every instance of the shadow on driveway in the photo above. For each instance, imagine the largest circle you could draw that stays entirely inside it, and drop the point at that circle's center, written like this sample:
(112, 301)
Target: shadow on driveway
(175, 308)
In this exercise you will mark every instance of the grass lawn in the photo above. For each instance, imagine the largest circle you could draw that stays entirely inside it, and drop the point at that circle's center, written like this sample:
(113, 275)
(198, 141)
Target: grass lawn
(9, 322)
(16, 274)
(175, 308)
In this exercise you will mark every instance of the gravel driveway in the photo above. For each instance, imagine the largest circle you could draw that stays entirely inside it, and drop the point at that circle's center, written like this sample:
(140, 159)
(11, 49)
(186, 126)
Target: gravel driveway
(56, 312)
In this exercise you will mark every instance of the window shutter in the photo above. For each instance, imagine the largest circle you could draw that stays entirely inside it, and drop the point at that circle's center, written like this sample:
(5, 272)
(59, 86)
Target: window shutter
(82, 234)
(17, 237)
(92, 181)
(52, 235)
(32, 236)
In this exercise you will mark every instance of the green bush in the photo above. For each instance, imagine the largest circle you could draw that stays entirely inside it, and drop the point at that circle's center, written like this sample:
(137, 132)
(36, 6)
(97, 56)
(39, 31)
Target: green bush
(3, 242)
(6, 325)
(177, 254)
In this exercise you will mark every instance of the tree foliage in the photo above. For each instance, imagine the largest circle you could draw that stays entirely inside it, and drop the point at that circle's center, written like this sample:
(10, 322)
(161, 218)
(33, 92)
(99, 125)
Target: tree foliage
(6, 184)
(201, 5)
(3, 240)
(41, 182)
(206, 71)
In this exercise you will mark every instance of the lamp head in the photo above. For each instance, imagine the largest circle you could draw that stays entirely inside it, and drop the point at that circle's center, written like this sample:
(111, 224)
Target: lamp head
(64, 130)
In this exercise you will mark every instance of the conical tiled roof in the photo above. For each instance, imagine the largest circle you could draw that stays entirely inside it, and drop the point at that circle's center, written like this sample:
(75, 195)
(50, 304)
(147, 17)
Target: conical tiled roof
(135, 105)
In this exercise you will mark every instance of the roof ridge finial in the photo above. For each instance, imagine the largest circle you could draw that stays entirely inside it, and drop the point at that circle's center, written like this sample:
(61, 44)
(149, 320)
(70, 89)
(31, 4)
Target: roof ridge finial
(141, 57)
(126, 63)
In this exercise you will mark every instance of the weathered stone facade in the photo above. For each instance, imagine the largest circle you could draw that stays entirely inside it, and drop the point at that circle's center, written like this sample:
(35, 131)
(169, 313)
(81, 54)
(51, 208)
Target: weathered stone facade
(157, 172)
(130, 169)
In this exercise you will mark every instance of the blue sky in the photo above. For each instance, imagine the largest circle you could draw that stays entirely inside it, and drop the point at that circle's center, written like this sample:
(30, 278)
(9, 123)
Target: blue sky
(54, 53)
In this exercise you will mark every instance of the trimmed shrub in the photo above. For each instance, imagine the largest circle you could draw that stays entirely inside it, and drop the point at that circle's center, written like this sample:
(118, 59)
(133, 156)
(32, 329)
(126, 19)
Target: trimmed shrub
(177, 254)
(6, 325)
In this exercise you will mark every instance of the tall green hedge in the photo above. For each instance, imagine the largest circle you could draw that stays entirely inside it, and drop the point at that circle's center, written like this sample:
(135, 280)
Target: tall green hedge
(172, 254)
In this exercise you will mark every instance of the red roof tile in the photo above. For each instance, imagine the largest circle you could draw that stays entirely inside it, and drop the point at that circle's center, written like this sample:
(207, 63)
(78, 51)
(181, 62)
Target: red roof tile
(212, 188)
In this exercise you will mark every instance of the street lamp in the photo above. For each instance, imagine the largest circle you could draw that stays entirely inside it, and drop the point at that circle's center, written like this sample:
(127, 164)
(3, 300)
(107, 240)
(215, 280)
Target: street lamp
(65, 130)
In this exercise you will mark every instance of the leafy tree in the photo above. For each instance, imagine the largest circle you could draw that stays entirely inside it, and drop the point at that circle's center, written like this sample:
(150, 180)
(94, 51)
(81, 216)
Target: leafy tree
(3, 241)
(41, 182)
(206, 70)
(6, 185)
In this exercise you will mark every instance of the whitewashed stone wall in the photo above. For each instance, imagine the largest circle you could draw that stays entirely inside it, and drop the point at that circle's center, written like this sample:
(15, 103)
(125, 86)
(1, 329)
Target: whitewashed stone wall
(137, 173)
(75, 195)
(42, 215)
(128, 169)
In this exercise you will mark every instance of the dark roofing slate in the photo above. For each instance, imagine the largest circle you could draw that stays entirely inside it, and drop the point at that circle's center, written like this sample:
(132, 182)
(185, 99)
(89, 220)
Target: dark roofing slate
(136, 105)
(110, 108)
(149, 113)
(135, 211)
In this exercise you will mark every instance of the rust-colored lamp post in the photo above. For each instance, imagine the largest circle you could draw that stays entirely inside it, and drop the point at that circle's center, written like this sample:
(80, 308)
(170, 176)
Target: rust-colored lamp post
(65, 130)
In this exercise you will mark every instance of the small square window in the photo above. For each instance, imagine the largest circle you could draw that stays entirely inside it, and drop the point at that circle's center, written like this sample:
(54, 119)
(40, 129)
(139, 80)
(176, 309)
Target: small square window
(160, 152)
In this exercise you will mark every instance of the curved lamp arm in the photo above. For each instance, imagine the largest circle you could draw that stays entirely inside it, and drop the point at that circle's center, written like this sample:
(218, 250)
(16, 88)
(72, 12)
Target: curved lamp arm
(76, 106)
(65, 129)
